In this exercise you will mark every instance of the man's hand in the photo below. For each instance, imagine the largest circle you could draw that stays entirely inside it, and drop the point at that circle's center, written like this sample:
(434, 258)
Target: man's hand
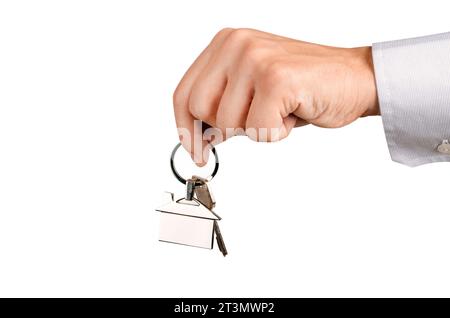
(262, 85)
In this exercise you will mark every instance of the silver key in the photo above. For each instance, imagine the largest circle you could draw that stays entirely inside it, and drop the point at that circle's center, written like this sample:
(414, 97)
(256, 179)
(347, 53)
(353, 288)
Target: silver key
(205, 196)
(219, 238)
(190, 188)
(203, 193)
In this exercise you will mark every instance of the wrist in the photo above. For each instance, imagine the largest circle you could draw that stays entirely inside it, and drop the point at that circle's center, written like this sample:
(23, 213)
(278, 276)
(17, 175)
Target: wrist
(367, 85)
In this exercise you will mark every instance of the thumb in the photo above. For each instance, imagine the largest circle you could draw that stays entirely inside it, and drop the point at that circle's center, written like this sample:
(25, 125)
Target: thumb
(265, 121)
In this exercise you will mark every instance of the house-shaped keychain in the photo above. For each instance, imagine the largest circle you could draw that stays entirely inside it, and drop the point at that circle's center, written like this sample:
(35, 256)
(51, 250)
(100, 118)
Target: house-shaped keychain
(189, 222)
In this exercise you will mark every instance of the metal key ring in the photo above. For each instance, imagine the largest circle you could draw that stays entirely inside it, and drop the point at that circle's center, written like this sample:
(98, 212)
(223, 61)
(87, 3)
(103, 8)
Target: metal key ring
(183, 180)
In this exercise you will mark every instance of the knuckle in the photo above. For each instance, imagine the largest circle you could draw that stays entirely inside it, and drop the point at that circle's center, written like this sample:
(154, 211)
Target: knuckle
(194, 106)
(238, 36)
(273, 75)
(251, 55)
(198, 110)
(224, 31)
(222, 34)
(275, 72)
(199, 106)
(177, 97)
(193, 109)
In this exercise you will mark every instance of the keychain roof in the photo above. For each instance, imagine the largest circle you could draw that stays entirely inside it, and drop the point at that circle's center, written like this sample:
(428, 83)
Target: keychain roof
(193, 208)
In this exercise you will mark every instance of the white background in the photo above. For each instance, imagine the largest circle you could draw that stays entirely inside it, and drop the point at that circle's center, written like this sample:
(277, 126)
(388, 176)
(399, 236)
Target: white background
(86, 129)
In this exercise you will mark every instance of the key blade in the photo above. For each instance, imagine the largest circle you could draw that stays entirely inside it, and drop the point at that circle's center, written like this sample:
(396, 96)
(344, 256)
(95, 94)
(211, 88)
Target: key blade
(203, 193)
(190, 189)
(219, 238)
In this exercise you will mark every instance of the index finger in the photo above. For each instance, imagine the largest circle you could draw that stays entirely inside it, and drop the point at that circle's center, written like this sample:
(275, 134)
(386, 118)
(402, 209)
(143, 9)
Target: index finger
(189, 128)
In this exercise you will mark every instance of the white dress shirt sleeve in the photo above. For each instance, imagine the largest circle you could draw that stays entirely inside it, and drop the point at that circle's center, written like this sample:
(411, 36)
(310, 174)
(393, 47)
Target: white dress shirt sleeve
(413, 85)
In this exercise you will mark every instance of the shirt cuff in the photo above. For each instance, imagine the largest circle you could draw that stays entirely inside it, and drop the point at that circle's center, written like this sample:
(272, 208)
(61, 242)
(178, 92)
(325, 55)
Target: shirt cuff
(413, 85)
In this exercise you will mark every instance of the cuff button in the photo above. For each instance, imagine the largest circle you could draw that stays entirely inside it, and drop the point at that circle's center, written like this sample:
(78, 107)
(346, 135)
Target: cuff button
(444, 147)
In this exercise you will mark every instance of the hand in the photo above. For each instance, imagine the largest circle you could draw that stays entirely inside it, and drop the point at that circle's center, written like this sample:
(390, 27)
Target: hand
(262, 85)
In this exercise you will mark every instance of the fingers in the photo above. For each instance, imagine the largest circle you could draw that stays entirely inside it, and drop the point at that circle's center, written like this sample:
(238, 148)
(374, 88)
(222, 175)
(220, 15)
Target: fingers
(190, 133)
(207, 92)
(300, 122)
(265, 121)
(184, 119)
(219, 90)
(233, 108)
